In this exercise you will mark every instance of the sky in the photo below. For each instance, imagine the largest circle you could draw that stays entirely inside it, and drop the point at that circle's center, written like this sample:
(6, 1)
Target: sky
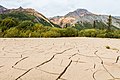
(51, 8)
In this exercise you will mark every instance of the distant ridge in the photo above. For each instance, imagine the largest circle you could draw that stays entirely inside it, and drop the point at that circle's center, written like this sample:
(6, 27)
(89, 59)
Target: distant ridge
(40, 18)
(77, 13)
(2, 9)
(84, 16)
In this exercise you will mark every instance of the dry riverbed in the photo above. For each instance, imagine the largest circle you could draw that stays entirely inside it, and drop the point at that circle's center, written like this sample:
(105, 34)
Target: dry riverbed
(59, 59)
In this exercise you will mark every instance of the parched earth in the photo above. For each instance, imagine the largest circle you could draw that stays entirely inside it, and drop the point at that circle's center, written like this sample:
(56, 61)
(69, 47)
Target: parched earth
(59, 59)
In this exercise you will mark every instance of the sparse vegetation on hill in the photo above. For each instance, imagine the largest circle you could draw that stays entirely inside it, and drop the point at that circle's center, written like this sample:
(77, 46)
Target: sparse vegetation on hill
(29, 23)
(13, 27)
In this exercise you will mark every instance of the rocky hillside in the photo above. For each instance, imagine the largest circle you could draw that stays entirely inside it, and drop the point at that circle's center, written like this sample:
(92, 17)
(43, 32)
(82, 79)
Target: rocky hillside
(2, 9)
(83, 16)
(25, 14)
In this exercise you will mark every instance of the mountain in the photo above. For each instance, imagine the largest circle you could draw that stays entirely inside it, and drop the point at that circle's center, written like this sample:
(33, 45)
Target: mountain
(84, 17)
(2, 9)
(25, 14)
(118, 17)
(77, 13)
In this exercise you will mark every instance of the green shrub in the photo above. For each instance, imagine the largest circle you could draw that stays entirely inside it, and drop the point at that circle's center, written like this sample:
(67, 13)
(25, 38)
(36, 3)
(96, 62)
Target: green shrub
(25, 33)
(35, 34)
(8, 22)
(40, 28)
(26, 25)
(116, 34)
(3, 28)
(101, 33)
(71, 32)
(63, 32)
(51, 34)
(12, 32)
(88, 33)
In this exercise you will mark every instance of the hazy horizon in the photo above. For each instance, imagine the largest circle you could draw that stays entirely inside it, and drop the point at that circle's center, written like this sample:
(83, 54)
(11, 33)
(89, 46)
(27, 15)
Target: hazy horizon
(52, 8)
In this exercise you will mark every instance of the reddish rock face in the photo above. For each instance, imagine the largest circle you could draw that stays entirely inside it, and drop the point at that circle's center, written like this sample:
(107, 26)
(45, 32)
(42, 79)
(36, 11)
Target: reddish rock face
(70, 18)
(63, 21)
(83, 15)
(38, 16)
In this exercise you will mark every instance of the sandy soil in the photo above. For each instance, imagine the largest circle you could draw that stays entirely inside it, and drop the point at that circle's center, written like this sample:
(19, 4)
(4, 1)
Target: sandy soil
(59, 59)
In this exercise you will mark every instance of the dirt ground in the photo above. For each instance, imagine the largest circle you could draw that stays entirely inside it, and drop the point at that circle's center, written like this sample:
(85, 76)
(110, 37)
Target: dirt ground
(59, 59)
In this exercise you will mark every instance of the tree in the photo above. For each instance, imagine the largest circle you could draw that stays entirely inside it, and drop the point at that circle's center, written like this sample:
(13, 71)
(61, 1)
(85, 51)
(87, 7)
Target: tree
(71, 32)
(40, 28)
(25, 33)
(26, 25)
(109, 22)
(88, 33)
(94, 24)
(12, 32)
(9, 22)
(51, 34)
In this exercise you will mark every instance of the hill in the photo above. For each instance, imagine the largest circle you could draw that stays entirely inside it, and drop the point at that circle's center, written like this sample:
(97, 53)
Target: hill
(2, 9)
(22, 22)
(25, 14)
(27, 22)
(82, 18)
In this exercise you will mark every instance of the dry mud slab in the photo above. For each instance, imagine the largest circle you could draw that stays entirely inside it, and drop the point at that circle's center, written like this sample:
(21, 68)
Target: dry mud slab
(59, 59)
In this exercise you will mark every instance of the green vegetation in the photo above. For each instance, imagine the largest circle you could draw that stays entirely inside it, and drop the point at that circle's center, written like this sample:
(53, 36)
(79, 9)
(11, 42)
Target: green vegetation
(18, 15)
(30, 29)
(109, 22)
(20, 24)
(99, 33)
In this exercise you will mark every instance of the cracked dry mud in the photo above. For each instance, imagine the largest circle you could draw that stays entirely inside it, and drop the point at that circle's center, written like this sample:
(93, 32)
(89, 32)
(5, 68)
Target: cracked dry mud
(59, 59)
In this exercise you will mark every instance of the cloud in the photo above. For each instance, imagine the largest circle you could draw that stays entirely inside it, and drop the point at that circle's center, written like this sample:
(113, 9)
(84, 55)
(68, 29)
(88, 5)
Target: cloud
(61, 7)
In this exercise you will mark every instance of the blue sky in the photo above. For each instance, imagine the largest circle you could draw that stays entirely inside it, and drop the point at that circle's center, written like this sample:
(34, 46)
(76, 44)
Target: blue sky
(60, 7)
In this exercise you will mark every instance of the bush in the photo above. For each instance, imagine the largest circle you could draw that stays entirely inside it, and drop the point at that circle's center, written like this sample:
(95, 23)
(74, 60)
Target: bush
(35, 34)
(25, 33)
(109, 35)
(116, 34)
(63, 32)
(25, 25)
(55, 29)
(101, 33)
(3, 28)
(51, 34)
(8, 22)
(12, 32)
(88, 33)
(112, 34)
(1, 33)
(71, 32)
(40, 28)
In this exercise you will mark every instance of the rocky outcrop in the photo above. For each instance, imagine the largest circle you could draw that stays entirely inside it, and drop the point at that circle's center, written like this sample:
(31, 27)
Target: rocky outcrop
(38, 16)
(83, 15)
(2, 9)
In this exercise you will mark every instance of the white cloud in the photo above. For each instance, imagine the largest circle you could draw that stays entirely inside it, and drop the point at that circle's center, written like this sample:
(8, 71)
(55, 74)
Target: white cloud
(61, 7)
